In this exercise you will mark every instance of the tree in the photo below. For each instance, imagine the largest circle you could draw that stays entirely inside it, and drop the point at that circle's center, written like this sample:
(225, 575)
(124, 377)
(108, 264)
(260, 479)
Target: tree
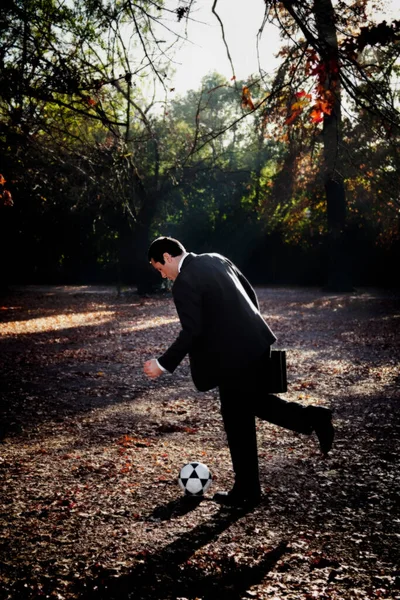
(327, 51)
(213, 205)
(75, 80)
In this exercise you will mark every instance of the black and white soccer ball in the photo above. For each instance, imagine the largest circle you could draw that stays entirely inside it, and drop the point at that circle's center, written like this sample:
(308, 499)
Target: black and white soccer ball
(195, 478)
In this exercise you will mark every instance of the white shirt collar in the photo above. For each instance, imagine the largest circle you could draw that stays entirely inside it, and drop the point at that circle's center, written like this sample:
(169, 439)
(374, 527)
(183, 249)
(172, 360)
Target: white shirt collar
(184, 255)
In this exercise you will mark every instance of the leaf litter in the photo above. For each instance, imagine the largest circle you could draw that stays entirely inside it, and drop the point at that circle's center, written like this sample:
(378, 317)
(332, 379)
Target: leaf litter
(91, 451)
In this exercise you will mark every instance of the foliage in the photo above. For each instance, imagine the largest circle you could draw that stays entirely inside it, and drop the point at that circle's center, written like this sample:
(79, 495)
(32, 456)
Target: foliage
(327, 52)
(92, 168)
(73, 128)
(312, 71)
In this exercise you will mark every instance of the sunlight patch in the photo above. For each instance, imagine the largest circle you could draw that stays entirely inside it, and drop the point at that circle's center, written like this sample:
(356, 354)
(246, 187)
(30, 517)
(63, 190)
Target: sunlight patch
(150, 323)
(55, 322)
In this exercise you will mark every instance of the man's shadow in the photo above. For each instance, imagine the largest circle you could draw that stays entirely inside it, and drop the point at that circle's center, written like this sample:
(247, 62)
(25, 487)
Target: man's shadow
(176, 508)
(167, 574)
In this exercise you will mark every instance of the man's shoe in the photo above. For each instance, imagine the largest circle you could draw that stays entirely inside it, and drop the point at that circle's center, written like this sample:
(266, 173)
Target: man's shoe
(321, 421)
(237, 499)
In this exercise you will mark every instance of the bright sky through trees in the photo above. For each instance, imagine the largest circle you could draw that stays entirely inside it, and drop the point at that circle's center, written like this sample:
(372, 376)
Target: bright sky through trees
(205, 51)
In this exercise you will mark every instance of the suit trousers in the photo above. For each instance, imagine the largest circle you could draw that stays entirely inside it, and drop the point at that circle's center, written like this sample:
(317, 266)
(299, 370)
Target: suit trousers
(244, 396)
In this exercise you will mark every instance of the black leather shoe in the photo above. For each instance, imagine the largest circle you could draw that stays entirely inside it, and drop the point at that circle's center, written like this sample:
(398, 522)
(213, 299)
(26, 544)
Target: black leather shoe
(321, 420)
(237, 499)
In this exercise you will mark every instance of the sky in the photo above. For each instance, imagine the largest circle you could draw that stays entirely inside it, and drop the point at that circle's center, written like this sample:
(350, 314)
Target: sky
(242, 20)
(206, 52)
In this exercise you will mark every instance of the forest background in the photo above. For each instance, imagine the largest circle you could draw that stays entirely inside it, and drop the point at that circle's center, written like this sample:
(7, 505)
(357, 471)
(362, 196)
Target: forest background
(292, 174)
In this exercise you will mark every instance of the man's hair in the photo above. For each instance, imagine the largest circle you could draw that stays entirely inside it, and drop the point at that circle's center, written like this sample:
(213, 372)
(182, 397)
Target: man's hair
(164, 244)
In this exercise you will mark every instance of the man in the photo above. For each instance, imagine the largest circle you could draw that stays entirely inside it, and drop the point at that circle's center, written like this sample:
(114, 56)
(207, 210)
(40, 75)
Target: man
(228, 343)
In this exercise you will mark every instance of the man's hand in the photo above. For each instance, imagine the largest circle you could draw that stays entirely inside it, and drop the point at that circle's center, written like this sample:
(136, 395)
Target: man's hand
(151, 369)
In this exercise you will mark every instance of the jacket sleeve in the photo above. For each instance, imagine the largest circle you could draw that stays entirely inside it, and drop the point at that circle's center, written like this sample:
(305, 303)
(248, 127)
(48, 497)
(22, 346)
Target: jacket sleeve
(189, 307)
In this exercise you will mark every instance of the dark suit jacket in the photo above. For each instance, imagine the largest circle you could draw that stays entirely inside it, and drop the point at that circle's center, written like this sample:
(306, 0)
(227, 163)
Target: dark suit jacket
(222, 327)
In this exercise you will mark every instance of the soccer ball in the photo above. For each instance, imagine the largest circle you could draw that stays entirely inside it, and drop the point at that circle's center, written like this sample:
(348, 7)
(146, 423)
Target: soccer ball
(194, 479)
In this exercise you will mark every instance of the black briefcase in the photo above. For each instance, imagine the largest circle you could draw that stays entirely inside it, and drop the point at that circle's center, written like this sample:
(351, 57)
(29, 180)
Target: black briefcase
(276, 372)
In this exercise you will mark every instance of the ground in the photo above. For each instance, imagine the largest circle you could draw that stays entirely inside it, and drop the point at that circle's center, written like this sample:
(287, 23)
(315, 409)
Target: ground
(91, 450)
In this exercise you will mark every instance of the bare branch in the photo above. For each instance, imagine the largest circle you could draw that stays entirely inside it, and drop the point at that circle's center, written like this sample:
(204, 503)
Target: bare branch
(223, 37)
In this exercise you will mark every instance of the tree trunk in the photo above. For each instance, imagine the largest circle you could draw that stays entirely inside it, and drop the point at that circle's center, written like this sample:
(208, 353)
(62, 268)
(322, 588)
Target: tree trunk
(135, 232)
(338, 269)
(133, 266)
(147, 279)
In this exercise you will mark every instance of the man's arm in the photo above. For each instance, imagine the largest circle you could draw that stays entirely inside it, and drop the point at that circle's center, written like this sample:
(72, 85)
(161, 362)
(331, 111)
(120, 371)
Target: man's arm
(188, 305)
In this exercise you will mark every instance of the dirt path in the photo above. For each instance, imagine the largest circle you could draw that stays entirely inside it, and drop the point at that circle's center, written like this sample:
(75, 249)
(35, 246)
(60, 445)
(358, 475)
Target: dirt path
(90, 453)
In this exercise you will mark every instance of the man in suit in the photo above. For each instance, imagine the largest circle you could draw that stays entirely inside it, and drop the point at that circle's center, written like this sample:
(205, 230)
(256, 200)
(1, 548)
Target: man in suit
(228, 343)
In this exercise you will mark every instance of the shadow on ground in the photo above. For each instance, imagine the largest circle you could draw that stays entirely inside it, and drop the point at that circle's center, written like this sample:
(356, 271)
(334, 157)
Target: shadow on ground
(168, 573)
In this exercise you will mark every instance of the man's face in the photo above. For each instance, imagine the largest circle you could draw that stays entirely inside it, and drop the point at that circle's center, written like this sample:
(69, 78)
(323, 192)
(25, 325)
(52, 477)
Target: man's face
(168, 270)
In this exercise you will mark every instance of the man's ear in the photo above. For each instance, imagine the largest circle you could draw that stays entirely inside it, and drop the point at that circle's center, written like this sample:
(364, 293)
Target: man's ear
(167, 257)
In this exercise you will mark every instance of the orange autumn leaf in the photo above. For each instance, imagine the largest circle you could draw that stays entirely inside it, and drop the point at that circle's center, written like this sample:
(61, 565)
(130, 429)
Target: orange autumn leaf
(317, 116)
(302, 101)
(247, 101)
(124, 440)
(292, 117)
(297, 106)
(326, 107)
(304, 95)
(89, 101)
(7, 198)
